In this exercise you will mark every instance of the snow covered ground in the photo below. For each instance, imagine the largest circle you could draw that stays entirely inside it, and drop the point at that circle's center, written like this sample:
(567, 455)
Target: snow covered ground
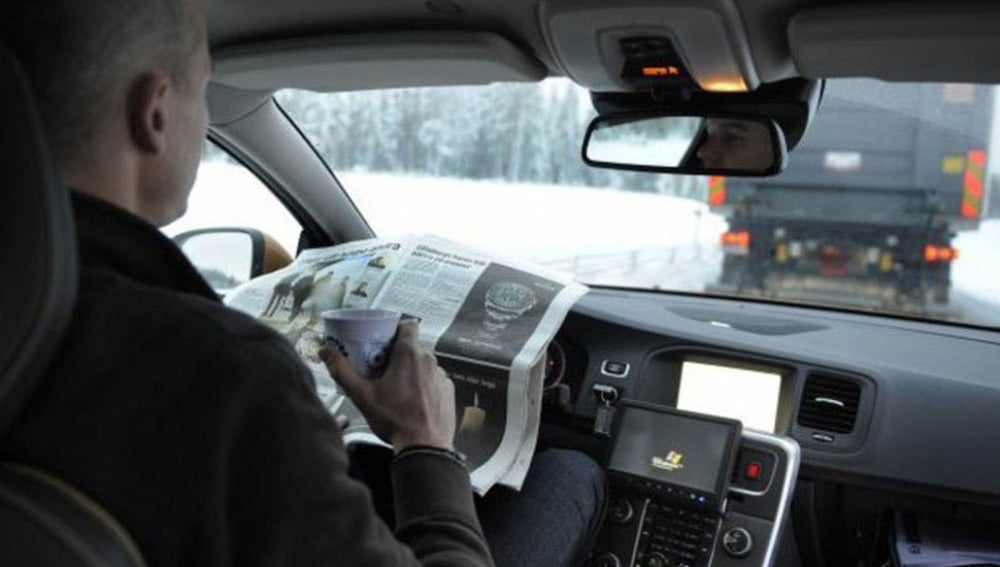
(605, 236)
(977, 270)
(540, 222)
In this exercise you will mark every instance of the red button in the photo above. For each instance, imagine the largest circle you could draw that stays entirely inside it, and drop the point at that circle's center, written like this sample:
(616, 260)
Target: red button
(753, 470)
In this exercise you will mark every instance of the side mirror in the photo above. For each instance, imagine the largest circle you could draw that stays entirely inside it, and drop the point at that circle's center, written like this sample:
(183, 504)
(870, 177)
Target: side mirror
(229, 257)
(717, 144)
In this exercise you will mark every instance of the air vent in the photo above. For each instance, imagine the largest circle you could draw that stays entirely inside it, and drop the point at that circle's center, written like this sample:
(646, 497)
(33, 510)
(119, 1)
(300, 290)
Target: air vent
(829, 404)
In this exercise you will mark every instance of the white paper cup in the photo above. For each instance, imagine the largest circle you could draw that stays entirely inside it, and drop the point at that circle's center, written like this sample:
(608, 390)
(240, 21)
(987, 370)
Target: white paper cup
(364, 335)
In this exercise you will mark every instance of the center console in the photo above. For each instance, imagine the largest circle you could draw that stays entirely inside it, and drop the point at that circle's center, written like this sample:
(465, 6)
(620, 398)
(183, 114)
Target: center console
(692, 490)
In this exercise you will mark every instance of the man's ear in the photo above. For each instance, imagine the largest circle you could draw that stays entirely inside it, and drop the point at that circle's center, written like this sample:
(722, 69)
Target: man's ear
(148, 112)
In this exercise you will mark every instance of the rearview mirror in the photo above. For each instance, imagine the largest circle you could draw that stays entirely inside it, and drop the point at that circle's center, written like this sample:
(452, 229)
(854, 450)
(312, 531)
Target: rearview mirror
(723, 144)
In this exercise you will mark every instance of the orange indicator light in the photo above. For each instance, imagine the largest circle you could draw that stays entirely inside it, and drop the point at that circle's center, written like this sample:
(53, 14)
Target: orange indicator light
(668, 71)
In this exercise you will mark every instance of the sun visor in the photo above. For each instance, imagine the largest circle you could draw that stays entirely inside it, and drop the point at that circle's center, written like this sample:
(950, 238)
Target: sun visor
(953, 42)
(587, 37)
(376, 61)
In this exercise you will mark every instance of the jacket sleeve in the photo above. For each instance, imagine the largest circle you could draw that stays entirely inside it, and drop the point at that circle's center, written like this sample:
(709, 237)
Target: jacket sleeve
(290, 500)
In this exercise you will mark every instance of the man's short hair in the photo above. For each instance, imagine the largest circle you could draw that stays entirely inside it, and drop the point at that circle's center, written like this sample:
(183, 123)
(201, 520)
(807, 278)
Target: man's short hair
(76, 51)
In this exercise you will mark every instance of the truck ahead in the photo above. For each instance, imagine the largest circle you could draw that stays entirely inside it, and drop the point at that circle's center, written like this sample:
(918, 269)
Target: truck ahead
(866, 211)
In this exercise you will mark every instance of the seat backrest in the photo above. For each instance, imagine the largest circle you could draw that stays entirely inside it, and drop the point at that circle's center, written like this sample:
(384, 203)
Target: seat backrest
(43, 521)
(38, 264)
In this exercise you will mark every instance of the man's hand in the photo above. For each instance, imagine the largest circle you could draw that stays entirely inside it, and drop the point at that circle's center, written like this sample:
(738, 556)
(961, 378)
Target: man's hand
(411, 403)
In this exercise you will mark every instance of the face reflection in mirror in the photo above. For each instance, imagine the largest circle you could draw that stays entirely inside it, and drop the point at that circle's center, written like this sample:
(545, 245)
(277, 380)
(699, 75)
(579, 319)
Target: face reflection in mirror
(736, 145)
(690, 144)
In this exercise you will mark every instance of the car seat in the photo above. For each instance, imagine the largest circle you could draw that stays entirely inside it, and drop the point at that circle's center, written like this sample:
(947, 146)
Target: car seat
(43, 521)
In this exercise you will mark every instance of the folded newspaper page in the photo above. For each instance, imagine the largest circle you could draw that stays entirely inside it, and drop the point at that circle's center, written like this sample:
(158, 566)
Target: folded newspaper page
(488, 322)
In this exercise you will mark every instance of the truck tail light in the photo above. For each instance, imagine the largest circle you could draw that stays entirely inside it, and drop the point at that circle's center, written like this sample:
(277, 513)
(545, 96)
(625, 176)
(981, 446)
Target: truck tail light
(736, 242)
(933, 253)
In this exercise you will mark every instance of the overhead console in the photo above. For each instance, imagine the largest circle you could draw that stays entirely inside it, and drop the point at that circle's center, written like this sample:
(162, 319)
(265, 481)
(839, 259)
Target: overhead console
(692, 490)
(702, 40)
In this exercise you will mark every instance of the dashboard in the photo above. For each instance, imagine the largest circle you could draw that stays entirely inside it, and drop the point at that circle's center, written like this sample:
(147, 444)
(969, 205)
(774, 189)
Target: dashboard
(893, 406)
(872, 398)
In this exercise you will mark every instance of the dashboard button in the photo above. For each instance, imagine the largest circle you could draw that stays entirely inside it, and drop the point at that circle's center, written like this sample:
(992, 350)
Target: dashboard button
(753, 470)
(614, 368)
(620, 511)
(737, 542)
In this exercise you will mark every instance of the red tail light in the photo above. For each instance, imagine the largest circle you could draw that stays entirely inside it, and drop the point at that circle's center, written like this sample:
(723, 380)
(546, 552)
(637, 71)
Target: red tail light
(739, 239)
(934, 253)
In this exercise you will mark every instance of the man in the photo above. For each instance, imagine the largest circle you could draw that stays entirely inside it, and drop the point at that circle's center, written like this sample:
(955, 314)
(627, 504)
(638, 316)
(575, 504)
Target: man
(196, 427)
(736, 145)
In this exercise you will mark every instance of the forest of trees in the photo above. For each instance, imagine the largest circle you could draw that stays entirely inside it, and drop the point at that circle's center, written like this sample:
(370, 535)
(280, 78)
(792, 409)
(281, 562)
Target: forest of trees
(511, 132)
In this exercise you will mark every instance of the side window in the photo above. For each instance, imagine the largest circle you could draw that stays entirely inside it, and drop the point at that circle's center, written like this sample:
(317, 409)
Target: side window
(226, 195)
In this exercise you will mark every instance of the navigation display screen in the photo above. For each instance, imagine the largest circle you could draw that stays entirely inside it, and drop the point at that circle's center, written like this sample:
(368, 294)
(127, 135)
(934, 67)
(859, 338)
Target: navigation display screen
(692, 453)
(750, 396)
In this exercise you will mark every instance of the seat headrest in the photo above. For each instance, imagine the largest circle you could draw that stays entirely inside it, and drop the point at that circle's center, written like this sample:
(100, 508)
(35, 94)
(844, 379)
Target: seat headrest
(38, 264)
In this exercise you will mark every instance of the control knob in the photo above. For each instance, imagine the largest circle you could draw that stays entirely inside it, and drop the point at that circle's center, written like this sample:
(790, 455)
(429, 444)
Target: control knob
(737, 542)
(620, 511)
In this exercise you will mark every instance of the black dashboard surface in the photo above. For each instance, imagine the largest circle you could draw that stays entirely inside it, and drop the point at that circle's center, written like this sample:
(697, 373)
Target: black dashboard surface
(935, 388)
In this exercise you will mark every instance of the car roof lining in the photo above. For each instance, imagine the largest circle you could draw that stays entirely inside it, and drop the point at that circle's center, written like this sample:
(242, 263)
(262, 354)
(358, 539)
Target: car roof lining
(776, 50)
(376, 61)
(921, 43)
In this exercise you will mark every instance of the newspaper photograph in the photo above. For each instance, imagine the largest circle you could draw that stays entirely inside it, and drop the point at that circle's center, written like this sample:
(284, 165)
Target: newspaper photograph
(488, 322)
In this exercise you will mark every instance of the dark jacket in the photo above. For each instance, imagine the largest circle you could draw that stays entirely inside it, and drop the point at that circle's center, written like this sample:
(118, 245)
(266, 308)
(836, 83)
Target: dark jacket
(199, 429)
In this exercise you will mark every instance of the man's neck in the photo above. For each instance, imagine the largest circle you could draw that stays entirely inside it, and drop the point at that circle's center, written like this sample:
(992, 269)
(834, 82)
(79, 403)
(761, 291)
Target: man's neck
(106, 177)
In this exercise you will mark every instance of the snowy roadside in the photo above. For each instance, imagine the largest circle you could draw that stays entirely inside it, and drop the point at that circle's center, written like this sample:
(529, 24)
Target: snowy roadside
(977, 270)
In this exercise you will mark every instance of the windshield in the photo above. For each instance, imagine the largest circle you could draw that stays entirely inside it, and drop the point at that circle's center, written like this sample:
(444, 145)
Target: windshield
(884, 205)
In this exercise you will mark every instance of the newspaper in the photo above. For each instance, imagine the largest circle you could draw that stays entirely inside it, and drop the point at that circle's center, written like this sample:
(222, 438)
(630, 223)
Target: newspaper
(936, 541)
(488, 321)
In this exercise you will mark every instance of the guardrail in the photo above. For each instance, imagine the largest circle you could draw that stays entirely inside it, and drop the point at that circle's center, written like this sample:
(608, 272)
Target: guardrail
(629, 261)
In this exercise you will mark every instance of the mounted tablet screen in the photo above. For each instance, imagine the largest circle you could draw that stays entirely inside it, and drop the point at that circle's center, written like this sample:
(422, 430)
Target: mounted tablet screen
(750, 396)
(681, 457)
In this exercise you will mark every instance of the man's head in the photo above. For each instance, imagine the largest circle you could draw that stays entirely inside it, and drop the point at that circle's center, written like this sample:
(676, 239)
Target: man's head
(120, 85)
(736, 145)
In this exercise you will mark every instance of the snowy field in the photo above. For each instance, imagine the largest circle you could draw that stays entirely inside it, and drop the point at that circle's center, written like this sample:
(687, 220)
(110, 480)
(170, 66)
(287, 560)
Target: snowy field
(604, 236)
(528, 220)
